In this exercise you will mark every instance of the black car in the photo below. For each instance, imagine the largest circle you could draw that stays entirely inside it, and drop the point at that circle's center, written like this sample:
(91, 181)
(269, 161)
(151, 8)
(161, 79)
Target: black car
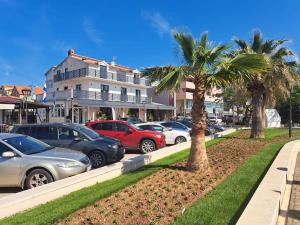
(100, 150)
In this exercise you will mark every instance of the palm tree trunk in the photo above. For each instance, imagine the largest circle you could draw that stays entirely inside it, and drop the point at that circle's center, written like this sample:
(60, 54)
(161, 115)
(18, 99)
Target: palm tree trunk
(198, 158)
(257, 126)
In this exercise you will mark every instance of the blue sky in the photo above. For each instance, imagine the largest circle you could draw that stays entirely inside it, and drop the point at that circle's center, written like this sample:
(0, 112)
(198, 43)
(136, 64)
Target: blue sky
(34, 35)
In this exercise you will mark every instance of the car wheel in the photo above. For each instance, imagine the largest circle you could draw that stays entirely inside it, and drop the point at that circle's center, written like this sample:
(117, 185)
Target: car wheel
(97, 159)
(38, 177)
(147, 145)
(180, 139)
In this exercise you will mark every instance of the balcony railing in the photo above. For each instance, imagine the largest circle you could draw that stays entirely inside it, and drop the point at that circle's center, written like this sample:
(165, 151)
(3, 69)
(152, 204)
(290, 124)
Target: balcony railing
(93, 95)
(86, 72)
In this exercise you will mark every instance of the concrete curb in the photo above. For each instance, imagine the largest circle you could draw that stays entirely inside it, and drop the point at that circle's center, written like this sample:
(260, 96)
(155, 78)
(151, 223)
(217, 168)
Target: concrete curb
(27, 199)
(270, 196)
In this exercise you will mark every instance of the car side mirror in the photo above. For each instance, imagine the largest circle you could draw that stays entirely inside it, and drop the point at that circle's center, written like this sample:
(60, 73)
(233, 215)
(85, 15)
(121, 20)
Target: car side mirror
(8, 154)
(169, 128)
(130, 131)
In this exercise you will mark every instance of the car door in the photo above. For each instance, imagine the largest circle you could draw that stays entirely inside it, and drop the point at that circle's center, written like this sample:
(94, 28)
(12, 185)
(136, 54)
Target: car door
(47, 134)
(10, 168)
(125, 135)
(108, 129)
(67, 137)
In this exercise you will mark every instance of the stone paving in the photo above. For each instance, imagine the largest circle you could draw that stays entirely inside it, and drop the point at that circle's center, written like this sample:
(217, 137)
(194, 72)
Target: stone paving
(294, 206)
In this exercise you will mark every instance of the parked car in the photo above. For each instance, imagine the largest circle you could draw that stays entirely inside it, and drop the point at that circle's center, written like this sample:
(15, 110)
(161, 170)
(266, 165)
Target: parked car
(100, 150)
(130, 136)
(28, 163)
(175, 125)
(214, 119)
(133, 120)
(172, 136)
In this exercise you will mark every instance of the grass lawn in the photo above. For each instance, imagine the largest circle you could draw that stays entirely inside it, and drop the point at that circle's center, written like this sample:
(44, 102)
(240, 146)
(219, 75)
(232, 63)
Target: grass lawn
(50, 212)
(225, 204)
(226, 199)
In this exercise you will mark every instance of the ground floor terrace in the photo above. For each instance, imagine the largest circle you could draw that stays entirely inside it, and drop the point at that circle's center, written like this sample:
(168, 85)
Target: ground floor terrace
(14, 110)
(81, 111)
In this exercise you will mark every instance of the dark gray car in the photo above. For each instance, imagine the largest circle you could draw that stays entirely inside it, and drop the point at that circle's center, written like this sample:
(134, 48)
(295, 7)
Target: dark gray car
(28, 162)
(100, 150)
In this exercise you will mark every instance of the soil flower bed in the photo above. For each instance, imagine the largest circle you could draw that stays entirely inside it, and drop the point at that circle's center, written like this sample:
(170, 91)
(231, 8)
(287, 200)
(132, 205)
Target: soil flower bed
(162, 196)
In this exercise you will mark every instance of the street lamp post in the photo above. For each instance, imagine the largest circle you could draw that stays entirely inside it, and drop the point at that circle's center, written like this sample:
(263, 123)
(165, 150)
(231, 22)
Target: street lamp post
(26, 93)
(290, 114)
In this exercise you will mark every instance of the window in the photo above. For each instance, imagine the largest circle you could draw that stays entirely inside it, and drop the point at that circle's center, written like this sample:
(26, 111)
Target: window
(66, 88)
(4, 148)
(145, 127)
(58, 72)
(78, 87)
(44, 132)
(59, 110)
(122, 127)
(97, 126)
(65, 133)
(188, 104)
(23, 130)
(107, 126)
(157, 128)
(103, 71)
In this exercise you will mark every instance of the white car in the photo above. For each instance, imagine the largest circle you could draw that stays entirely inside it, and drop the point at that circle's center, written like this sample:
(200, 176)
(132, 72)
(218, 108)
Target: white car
(172, 136)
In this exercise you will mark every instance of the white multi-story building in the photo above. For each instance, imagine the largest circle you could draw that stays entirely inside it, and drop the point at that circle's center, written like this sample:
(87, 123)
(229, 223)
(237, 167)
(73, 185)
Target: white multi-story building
(82, 88)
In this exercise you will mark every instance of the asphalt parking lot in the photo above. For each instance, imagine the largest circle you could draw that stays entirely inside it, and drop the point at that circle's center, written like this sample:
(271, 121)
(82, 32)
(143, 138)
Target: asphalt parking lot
(10, 191)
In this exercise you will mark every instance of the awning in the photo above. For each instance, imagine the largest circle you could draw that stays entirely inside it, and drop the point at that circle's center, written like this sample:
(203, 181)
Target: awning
(7, 106)
(99, 103)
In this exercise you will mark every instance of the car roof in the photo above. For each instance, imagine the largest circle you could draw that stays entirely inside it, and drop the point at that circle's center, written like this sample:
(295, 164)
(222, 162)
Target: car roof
(9, 135)
(149, 123)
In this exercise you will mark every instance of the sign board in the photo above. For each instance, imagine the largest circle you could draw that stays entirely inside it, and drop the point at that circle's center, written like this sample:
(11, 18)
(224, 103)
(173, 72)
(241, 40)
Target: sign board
(272, 118)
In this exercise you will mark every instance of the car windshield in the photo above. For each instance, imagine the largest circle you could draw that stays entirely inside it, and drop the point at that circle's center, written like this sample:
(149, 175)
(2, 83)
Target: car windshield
(89, 132)
(27, 145)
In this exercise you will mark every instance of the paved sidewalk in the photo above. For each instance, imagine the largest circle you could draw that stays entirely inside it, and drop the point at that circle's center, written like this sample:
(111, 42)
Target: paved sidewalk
(294, 206)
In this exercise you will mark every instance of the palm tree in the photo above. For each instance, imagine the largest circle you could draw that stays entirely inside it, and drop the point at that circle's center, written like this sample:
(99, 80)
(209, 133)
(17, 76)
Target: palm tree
(265, 87)
(207, 66)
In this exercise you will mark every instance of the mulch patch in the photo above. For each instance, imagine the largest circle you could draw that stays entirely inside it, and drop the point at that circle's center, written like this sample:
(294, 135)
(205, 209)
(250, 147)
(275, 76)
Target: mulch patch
(160, 197)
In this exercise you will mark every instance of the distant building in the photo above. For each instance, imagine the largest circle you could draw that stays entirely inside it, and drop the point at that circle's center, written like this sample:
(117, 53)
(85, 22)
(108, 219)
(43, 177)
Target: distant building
(182, 100)
(81, 88)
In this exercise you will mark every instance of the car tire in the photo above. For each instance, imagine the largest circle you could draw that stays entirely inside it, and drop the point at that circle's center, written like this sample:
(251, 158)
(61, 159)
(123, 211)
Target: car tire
(97, 159)
(180, 139)
(38, 177)
(147, 145)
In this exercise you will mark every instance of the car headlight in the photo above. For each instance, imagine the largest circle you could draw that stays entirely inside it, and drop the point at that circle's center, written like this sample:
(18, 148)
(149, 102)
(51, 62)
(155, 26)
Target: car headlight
(68, 164)
(113, 146)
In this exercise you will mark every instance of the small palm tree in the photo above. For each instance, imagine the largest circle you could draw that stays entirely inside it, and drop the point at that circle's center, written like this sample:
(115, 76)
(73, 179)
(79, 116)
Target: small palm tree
(267, 86)
(207, 66)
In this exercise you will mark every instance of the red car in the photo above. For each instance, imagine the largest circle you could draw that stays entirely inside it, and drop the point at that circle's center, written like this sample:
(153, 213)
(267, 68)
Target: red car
(130, 136)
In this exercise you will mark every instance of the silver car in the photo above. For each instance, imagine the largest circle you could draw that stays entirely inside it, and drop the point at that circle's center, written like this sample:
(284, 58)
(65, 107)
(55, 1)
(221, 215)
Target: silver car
(27, 162)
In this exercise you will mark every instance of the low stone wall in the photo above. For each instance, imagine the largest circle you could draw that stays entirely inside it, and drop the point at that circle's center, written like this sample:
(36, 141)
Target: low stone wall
(270, 196)
(31, 198)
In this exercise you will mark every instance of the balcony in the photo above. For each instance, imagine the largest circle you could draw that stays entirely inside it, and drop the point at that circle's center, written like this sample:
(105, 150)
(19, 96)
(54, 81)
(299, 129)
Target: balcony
(88, 72)
(93, 95)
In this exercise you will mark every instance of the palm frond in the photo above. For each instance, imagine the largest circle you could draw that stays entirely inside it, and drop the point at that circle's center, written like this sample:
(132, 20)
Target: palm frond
(242, 44)
(249, 63)
(203, 40)
(187, 45)
(172, 80)
(281, 53)
(156, 73)
(257, 42)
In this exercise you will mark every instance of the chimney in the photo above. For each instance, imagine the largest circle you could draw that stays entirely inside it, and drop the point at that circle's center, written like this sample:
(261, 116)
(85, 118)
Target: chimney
(113, 62)
(71, 52)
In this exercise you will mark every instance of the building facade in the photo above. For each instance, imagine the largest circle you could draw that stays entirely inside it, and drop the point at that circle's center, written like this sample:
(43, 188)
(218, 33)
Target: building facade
(81, 88)
(184, 100)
